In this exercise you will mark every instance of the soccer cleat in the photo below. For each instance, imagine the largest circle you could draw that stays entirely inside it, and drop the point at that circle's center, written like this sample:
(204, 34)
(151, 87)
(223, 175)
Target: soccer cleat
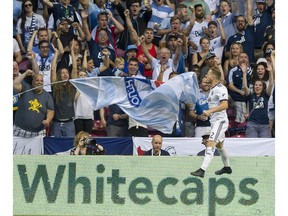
(200, 173)
(226, 170)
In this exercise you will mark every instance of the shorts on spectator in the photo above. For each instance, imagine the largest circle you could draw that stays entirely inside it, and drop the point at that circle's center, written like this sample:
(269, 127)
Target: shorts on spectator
(19, 132)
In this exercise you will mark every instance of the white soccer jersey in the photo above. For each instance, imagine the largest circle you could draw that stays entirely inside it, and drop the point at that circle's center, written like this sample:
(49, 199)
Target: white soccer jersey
(217, 94)
(196, 34)
(45, 69)
(216, 47)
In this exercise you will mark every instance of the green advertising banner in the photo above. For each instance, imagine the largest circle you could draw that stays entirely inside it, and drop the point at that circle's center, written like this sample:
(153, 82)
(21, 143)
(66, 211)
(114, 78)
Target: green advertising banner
(129, 185)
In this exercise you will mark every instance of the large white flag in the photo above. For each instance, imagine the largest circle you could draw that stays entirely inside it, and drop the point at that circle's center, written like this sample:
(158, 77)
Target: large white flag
(140, 98)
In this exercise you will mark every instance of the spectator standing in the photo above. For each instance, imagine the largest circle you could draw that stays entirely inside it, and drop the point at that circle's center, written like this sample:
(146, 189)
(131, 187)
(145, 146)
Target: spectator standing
(262, 19)
(227, 16)
(244, 35)
(63, 96)
(61, 9)
(269, 33)
(157, 150)
(160, 11)
(45, 63)
(235, 50)
(199, 57)
(135, 128)
(258, 120)
(27, 24)
(117, 125)
(217, 41)
(42, 35)
(36, 107)
(94, 8)
(105, 20)
(167, 26)
(193, 3)
(235, 86)
(165, 65)
(139, 20)
(95, 48)
(152, 48)
(84, 113)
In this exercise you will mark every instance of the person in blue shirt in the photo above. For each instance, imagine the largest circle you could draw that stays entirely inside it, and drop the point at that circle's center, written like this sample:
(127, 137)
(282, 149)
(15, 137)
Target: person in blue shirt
(258, 120)
(244, 35)
(262, 19)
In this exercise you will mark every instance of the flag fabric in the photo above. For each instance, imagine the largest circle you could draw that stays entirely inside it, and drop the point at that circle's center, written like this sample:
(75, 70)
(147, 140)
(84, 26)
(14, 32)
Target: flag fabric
(142, 99)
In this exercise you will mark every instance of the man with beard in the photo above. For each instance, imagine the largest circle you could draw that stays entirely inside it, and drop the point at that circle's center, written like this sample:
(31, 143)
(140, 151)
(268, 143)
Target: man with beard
(139, 20)
(36, 107)
(197, 32)
(193, 3)
(164, 65)
(152, 48)
(244, 35)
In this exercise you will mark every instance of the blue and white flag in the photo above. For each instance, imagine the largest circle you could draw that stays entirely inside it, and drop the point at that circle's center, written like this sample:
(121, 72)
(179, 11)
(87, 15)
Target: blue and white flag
(140, 98)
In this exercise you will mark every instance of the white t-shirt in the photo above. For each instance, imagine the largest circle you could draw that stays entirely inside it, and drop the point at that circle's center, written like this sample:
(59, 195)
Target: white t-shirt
(45, 69)
(39, 23)
(156, 66)
(216, 95)
(196, 34)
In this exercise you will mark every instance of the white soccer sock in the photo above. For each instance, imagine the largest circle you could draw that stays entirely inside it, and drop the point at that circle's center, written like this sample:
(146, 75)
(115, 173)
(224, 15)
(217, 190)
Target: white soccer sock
(224, 157)
(209, 154)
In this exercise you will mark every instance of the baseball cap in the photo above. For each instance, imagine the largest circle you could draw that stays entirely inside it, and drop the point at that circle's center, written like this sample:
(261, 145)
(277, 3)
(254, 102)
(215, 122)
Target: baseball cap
(172, 36)
(131, 47)
(62, 19)
(212, 23)
(261, 60)
(209, 55)
(261, 1)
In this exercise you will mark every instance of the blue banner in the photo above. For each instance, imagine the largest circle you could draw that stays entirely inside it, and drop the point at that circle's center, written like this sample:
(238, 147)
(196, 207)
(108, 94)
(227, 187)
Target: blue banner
(113, 146)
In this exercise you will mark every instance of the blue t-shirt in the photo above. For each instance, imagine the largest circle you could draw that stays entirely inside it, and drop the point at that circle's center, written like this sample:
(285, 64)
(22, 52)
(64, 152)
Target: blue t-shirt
(200, 106)
(95, 53)
(247, 41)
(258, 108)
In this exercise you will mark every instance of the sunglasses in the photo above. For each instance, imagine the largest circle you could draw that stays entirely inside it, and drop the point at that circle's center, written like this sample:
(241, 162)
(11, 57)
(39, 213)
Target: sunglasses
(28, 5)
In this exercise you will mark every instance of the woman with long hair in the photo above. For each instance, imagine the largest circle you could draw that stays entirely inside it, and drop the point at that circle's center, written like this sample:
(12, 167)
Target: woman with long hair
(199, 57)
(63, 95)
(258, 119)
(235, 50)
(27, 24)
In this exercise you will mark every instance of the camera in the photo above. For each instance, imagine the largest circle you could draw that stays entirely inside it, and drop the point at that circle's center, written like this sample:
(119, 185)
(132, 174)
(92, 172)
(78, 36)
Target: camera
(92, 147)
(268, 52)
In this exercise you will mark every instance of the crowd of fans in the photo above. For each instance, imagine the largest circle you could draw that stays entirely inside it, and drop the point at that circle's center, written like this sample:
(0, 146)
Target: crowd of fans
(152, 39)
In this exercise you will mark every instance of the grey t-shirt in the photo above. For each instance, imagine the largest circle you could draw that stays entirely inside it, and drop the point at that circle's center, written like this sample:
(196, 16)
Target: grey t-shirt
(32, 109)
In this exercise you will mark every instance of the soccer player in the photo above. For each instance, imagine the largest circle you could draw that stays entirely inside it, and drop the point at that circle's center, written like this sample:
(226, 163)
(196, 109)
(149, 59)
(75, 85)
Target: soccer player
(218, 103)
